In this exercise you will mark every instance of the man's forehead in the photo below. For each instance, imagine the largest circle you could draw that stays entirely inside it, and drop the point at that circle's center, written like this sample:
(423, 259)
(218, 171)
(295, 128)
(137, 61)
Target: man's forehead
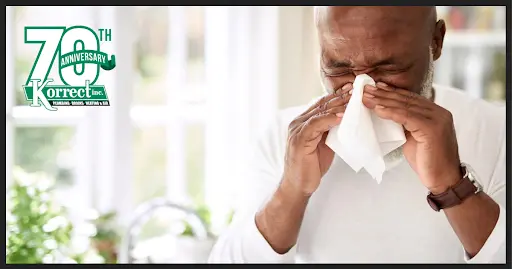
(371, 31)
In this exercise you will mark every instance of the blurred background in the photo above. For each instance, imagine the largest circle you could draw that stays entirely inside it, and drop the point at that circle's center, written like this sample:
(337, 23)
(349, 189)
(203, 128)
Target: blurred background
(153, 177)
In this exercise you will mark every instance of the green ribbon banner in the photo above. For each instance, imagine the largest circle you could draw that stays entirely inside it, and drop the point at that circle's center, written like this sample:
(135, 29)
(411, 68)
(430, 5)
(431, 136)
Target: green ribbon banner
(84, 57)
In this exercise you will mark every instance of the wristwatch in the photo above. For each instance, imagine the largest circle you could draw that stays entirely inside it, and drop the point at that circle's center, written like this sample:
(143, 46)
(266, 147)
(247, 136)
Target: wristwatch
(465, 188)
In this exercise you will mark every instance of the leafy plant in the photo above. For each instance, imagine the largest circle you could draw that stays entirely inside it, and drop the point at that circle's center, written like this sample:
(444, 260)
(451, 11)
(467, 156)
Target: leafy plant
(105, 225)
(204, 214)
(230, 217)
(188, 231)
(106, 238)
(496, 87)
(499, 68)
(37, 231)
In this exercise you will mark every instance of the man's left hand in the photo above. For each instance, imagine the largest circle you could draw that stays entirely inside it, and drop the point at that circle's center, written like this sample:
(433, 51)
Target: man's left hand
(431, 148)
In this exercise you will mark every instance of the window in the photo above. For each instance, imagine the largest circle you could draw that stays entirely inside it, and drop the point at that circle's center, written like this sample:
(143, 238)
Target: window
(157, 34)
(46, 149)
(475, 37)
(39, 140)
(178, 124)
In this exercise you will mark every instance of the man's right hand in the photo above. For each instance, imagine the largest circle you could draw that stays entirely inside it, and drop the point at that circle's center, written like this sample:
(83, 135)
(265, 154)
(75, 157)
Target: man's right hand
(307, 160)
(307, 156)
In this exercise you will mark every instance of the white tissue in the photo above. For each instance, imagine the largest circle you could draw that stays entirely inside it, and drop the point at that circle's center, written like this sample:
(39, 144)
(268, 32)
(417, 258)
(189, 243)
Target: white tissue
(363, 139)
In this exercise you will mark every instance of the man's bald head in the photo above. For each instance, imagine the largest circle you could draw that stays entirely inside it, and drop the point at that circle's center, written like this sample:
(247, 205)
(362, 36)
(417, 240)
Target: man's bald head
(412, 17)
(391, 44)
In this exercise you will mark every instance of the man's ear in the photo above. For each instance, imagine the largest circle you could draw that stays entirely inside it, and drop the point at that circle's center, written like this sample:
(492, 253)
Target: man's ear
(438, 38)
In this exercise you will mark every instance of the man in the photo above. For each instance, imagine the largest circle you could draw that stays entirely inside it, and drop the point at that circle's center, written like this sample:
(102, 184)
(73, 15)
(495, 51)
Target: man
(304, 204)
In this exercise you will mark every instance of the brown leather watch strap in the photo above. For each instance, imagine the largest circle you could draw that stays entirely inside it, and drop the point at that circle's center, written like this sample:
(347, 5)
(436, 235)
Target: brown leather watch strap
(453, 196)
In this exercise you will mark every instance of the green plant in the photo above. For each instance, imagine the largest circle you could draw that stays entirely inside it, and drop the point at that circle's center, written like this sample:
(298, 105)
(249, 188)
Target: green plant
(37, 229)
(106, 238)
(204, 214)
(230, 217)
(499, 69)
(495, 90)
(105, 225)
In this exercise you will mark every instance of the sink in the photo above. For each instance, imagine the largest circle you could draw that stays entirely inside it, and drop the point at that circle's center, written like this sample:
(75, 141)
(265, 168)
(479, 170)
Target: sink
(168, 248)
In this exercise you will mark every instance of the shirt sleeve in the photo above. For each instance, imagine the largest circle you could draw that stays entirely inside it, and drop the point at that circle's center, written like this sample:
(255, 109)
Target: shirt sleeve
(242, 242)
(494, 249)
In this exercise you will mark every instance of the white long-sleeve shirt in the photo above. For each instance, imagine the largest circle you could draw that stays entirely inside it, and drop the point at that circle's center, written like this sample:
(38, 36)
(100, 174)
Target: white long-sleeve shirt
(352, 219)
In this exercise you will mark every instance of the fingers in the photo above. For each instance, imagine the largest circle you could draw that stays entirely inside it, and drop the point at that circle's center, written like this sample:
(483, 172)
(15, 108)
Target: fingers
(371, 102)
(402, 96)
(392, 98)
(339, 101)
(315, 126)
(404, 107)
(346, 88)
(322, 116)
(411, 120)
(384, 86)
(325, 99)
(312, 110)
(337, 110)
(322, 100)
